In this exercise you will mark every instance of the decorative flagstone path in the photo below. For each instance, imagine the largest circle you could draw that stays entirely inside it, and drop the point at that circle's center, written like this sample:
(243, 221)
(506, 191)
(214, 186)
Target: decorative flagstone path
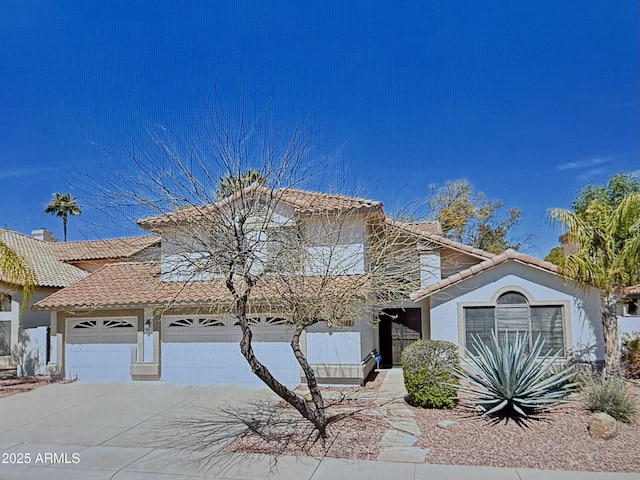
(398, 441)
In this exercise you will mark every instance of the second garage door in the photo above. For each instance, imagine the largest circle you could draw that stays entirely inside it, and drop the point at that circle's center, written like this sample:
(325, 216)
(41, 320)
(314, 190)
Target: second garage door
(205, 350)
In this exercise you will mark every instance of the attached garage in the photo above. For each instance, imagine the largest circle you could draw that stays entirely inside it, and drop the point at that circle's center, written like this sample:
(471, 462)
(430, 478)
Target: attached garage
(99, 349)
(198, 349)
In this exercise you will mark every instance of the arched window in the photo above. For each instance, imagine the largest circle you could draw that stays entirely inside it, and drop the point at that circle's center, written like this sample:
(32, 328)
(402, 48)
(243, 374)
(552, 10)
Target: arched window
(5, 302)
(513, 315)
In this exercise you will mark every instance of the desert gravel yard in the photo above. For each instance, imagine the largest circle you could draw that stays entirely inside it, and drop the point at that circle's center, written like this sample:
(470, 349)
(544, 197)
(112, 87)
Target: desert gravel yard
(560, 441)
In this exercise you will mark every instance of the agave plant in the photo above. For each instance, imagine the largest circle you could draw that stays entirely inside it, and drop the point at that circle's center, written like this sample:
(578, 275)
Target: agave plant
(506, 378)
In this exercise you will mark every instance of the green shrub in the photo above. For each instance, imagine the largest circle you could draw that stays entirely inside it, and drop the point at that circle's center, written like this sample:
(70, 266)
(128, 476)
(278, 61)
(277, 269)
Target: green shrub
(428, 373)
(611, 396)
(507, 379)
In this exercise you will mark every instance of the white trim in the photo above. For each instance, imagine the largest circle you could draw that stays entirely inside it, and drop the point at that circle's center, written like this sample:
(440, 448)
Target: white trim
(91, 330)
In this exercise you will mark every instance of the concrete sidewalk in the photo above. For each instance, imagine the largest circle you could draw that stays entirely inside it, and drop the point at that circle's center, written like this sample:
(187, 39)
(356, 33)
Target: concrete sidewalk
(119, 463)
(125, 431)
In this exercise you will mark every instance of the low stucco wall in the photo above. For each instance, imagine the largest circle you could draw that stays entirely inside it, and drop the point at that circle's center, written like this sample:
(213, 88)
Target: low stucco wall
(341, 354)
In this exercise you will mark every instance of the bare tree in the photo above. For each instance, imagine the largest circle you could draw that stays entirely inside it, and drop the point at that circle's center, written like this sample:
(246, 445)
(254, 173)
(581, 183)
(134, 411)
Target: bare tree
(312, 257)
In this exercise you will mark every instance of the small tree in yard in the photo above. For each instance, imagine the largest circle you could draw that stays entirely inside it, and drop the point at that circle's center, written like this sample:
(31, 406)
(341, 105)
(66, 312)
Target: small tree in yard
(269, 245)
(608, 256)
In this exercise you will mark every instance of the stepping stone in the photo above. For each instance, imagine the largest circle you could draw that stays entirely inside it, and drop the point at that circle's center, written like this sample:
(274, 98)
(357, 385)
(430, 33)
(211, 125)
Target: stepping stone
(445, 423)
(407, 425)
(394, 438)
(400, 411)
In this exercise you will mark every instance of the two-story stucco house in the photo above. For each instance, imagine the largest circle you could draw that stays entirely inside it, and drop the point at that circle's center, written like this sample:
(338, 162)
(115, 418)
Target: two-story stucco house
(163, 321)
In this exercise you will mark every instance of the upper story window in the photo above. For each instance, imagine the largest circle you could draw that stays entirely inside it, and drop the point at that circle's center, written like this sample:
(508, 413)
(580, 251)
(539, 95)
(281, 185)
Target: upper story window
(513, 315)
(5, 302)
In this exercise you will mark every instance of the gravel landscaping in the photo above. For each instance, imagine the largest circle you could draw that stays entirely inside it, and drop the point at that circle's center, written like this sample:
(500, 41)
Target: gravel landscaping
(10, 384)
(558, 441)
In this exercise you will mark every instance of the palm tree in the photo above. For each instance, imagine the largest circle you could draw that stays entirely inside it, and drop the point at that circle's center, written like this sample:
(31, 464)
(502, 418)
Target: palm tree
(15, 269)
(230, 183)
(63, 205)
(608, 257)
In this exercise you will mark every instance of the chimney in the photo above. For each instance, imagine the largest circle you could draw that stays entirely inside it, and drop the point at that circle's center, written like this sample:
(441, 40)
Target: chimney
(430, 268)
(568, 245)
(42, 234)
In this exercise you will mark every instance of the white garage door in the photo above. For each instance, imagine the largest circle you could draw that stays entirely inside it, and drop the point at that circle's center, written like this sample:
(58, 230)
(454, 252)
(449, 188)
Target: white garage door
(99, 349)
(203, 350)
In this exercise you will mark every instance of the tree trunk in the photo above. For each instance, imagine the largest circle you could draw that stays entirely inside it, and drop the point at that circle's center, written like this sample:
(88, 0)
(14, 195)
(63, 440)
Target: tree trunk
(611, 336)
(316, 417)
(314, 390)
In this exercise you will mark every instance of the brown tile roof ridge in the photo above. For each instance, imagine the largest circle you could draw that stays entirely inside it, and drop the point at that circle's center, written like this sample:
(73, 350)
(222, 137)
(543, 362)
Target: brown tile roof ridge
(301, 199)
(309, 200)
(440, 239)
(111, 248)
(49, 271)
(505, 256)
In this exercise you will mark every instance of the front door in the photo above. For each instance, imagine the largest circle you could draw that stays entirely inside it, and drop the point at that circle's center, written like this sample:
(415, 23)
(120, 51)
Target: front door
(398, 329)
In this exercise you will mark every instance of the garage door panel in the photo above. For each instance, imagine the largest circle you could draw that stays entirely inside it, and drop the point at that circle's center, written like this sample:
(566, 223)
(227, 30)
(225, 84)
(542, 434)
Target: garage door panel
(99, 362)
(99, 349)
(221, 363)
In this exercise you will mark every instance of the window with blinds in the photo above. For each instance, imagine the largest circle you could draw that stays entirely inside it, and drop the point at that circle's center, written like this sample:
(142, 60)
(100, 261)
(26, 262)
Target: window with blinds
(512, 315)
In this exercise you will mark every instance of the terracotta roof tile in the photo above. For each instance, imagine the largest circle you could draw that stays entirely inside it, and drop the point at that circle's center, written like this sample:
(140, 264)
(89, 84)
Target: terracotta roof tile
(114, 248)
(49, 271)
(421, 229)
(315, 201)
(480, 267)
(300, 199)
(139, 284)
(633, 290)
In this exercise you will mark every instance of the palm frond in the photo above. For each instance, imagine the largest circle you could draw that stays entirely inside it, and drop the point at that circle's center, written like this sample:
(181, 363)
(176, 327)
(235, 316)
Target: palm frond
(15, 269)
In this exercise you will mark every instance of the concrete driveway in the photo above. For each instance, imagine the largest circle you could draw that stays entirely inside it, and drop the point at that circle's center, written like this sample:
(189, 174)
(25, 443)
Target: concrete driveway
(155, 431)
(119, 431)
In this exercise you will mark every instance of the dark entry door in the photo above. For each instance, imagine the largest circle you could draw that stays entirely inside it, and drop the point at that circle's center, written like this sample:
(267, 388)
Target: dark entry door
(399, 328)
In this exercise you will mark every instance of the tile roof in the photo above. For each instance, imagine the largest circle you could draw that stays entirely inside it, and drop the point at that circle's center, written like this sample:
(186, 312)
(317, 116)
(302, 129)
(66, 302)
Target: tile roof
(49, 271)
(633, 290)
(431, 232)
(316, 201)
(505, 256)
(114, 248)
(302, 200)
(139, 284)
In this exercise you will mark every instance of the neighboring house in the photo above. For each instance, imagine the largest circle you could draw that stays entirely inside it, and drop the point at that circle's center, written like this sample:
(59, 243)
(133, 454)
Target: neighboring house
(157, 320)
(51, 275)
(90, 255)
(629, 319)
(23, 332)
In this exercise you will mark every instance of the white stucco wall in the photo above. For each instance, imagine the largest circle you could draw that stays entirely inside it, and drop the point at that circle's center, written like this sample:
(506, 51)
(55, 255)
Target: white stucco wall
(629, 324)
(583, 313)
(340, 355)
(331, 346)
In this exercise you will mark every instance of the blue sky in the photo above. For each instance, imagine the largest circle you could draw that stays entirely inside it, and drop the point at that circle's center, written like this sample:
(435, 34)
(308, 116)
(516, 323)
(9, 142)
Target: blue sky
(528, 101)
